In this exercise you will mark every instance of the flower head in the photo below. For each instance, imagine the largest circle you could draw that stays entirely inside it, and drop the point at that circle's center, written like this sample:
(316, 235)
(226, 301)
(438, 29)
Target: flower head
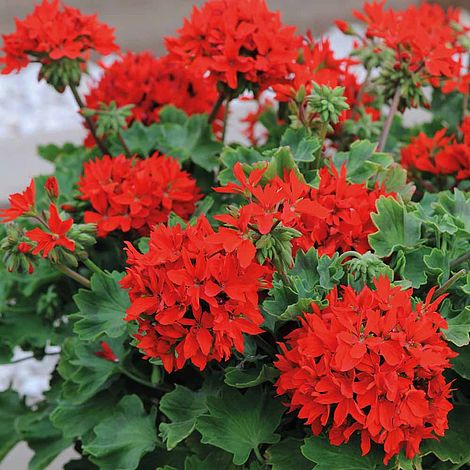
(51, 33)
(20, 204)
(192, 300)
(128, 194)
(370, 363)
(237, 43)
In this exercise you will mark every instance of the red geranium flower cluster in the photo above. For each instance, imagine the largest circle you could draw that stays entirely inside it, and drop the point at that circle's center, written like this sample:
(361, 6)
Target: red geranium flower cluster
(236, 40)
(149, 83)
(136, 194)
(334, 217)
(193, 301)
(422, 37)
(372, 363)
(20, 204)
(51, 33)
(440, 154)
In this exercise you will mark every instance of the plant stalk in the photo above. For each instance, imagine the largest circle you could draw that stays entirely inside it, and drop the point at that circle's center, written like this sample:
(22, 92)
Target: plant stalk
(216, 107)
(388, 122)
(449, 283)
(91, 125)
(460, 260)
(92, 266)
(142, 381)
(124, 145)
(27, 358)
(73, 275)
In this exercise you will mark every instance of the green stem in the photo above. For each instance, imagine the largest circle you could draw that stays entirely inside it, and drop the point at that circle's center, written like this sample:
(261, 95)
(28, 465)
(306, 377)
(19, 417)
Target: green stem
(346, 254)
(92, 266)
(258, 455)
(226, 112)
(73, 275)
(449, 283)
(265, 345)
(216, 107)
(89, 121)
(322, 136)
(388, 122)
(460, 260)
(124, 145)
(142, 381)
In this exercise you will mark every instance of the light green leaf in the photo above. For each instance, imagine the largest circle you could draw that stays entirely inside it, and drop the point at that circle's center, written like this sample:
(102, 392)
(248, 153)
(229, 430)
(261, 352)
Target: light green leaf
(182, 406)
(286, 455)
(302, 144)
(122, 439)
(459, 328)
(230, 156)
(245, 378)
(396, 227)
(411, 266)
(240, 423)
(343, 457)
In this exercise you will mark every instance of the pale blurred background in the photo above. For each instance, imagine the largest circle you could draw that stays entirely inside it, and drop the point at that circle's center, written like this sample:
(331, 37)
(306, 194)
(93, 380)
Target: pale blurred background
(31, 113)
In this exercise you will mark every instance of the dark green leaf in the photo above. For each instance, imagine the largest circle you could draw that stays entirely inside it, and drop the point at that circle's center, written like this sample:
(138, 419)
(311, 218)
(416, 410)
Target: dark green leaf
(461, 363)
(11, 408)
(240, 423)
(101, 309)
(459, 328)
(286, 455)
(303, 145)
(245, 378)
(122, 439)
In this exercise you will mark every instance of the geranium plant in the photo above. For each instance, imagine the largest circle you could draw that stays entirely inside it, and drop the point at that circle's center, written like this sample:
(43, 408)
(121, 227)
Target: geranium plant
(299, 302)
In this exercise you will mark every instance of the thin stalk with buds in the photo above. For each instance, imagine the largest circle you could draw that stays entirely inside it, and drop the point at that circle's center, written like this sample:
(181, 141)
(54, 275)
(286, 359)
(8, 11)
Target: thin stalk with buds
(388, 122)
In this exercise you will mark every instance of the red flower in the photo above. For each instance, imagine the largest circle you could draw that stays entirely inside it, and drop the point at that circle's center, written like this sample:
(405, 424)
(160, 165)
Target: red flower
(130, 194)
(236, 42)
(50, 33)
(52, 187)
(20, 204)
(106, 352)
(422, 37)
(372, 364)
(149, 84)
(192, 300)
(439, 154)
(334, 217)
(56, 235)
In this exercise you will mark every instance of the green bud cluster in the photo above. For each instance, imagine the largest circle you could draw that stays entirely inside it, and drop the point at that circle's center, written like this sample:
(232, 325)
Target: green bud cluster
(62, 73)
(327, 102)
(363, 269)
(110, 117)
(14, 259)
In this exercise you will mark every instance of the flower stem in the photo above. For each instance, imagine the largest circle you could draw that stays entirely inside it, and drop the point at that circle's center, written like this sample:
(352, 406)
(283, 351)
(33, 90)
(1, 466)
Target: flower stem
(89, 121)
(322, 136)
(142, 381)
(216, 107)
(27, 358)
(388, 122)
(92, 266)
(460, 260)
(124, 145)
(449, 283)
(226, 112)
(347, 254)
(73, 275)
(258, 455)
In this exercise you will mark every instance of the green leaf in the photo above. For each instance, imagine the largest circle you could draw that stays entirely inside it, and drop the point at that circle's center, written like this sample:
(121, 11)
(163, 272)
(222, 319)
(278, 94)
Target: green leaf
(123, 438)
(240, 423)
(454, 445)
(459, 328)
(101, 309)
(411, 266)
(182, 406)
(281, 160)
(286, 455)
(52, 152)
(191, 140)
(76, 420)
(84, 373)
(230, 156)
(139, 139)
(42, 437)
(11, 407)
(216, 460)
(303, 145)
(461, 363)
(396, 227)
(245, 378)
(343, 457)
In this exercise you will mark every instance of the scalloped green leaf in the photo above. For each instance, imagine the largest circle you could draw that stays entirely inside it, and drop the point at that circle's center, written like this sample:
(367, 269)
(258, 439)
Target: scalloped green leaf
(287, 455)
(11, 407)
(302, 144)
(121, 440)
(246, 378)
(101, 309)
(240, 423)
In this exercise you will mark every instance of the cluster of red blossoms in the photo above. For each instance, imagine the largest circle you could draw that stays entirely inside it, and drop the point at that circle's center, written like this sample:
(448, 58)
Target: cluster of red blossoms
(127, 193)
(374, 364)
(149, 83)
(53, 230)
(334, 217)
(440, 154)
(51, 33)
(423, 37)
(231, 40)
(192, 300)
